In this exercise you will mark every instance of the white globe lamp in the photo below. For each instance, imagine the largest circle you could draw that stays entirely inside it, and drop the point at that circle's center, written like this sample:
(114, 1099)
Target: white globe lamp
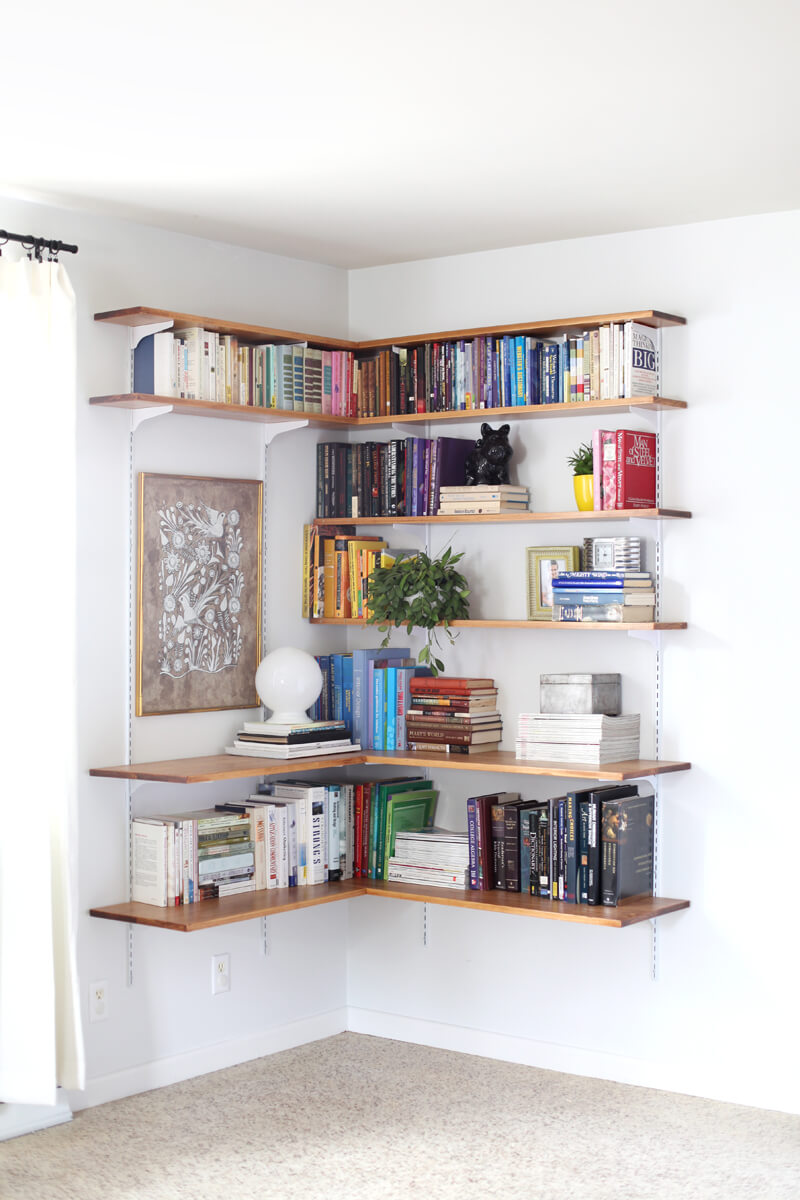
(288, 681)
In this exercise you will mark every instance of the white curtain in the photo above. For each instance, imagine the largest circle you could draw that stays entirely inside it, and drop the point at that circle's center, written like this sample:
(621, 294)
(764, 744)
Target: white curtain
(41, 1042)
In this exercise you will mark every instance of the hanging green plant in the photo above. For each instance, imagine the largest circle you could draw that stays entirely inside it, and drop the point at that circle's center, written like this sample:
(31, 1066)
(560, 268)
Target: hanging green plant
(426, 593)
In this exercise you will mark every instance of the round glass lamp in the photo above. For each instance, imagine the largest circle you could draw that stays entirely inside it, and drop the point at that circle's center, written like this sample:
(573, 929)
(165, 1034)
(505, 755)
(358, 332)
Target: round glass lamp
(288, 681)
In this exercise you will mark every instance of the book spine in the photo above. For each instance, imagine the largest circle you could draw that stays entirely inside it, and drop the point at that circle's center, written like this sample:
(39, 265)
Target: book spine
(472, 838)
(498, 830)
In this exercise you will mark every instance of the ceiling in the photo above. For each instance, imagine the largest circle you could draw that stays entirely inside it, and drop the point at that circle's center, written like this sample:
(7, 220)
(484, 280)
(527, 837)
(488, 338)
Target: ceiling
(359, 133)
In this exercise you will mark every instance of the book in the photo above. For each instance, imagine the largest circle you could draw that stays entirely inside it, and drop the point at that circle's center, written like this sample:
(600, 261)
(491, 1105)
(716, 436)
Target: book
(603, 595)
(315, 750)
(456, 508)
(149, 841)
(627, 831)
(154, 365)
(448, 747)
(452, 685)
(279, 728)
(400, 872)
(603, 579)
(636, 469)
(452, 735)
(309, 737)
(603, 612)
(641, 361)
(588, 802)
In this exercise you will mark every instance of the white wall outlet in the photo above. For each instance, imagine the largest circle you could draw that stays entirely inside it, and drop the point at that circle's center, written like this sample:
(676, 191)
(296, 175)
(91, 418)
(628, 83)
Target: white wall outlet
(220, 974)
(98, 1000)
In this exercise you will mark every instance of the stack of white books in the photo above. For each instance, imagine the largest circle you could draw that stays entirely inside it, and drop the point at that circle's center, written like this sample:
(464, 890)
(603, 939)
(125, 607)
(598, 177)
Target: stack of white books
(468, 500)
(309, 739)
(430, 856)
(591, 738)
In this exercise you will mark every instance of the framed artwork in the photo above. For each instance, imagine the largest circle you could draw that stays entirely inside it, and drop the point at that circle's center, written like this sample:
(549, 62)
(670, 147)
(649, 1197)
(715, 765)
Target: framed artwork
(199, 593)
(545, 562)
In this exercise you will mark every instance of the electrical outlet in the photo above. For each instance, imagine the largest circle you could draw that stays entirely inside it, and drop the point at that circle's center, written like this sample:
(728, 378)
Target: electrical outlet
(220, 974)
(98, 1000)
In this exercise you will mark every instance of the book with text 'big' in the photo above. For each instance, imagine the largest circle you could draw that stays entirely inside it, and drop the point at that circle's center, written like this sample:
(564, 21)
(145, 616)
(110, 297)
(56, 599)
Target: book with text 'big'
(636, 469)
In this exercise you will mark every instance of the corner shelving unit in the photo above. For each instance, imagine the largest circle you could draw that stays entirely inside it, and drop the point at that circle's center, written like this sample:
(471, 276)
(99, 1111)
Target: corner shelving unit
(211, 913)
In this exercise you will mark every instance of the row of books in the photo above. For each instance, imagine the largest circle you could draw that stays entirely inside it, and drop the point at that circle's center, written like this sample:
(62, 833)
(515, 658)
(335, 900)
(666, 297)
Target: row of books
(191, 856)
(336, 566)
(592, 846)
(369, 690)
(402, 477)
(198, 364)
(591, 738)
(624, 463)
(613, 596)
(453, 715)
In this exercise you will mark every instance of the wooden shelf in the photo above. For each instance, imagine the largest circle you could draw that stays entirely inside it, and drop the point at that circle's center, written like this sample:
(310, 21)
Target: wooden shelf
(217, 767)
(144, 315)
(564, 626)
(514, 518)
(189, 918)
(240, 412)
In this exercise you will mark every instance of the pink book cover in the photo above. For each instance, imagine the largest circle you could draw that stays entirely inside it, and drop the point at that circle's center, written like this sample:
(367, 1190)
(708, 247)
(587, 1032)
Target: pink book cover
(608, 484)
(636, 469)
(336, 383)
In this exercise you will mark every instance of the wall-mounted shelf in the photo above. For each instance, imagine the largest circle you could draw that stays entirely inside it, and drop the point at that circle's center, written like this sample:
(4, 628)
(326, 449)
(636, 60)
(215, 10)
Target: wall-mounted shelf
(217, 767)
(564, 626)
(189, 918)
(515, 518)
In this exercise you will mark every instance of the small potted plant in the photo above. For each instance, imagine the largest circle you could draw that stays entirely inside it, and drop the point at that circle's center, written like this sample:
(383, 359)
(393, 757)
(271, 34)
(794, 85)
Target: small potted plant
(421, 592)
(582, 463)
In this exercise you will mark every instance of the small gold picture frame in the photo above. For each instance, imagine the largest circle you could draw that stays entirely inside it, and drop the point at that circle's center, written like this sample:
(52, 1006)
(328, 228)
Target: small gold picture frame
(199, 593)
(544, 562)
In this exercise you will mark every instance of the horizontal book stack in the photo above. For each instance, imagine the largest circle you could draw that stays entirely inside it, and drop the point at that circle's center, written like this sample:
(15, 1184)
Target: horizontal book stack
(483, 498)
(592, 738)
(402, 477)
(435, 857)
(310, 739)
(592, 846)
(624, 469)
(191, 856)
(609, 596)
(454, 715)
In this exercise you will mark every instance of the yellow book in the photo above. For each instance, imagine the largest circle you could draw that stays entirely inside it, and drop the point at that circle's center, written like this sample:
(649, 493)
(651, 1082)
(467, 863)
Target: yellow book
(354, 549)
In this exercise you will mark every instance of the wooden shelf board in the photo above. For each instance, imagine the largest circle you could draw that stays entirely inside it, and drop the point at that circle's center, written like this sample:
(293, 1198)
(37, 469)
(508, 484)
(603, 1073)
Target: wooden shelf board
(239, 412)
(648, 316)
(189, 918)
(514, 518)
(216, 767)
(564, 626)
(211, 408)
(144, 315)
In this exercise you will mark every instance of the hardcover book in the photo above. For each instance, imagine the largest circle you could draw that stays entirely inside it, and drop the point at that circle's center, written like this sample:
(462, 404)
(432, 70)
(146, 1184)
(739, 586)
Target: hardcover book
(636, 469)
(626, 848)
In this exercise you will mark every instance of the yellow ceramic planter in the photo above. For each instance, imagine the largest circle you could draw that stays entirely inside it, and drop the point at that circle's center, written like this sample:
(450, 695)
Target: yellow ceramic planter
(584, 491)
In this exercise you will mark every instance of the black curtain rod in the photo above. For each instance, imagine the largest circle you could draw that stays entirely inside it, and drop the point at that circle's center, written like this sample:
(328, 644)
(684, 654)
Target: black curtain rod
(36, 243)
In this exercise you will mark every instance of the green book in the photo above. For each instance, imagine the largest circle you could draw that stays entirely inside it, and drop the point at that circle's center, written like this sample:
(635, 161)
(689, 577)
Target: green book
(380, 792)
(405, 812)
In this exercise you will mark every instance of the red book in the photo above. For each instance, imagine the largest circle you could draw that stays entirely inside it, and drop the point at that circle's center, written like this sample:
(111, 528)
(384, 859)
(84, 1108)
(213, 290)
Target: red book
(636, 469)
(448, 683)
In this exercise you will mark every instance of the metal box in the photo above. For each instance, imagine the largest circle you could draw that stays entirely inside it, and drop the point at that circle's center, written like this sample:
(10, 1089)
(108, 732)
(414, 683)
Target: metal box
(581, 694)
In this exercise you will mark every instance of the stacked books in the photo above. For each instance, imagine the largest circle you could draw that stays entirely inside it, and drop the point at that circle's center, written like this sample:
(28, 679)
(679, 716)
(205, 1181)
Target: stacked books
(483, 498)
(269, 739)
(453, 714)
(621, 596)
(592, 738)
(435, 857)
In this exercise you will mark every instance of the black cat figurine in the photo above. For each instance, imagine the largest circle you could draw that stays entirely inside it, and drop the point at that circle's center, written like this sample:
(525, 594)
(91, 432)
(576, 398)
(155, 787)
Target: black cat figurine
(488, 462)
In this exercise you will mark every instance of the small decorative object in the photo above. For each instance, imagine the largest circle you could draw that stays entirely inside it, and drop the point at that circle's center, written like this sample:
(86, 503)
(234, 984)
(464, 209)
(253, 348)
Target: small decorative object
(580, 694)
(613, 554)
(582, 463)
(488, 462)
(288, 681)
(423, 592)
(544, 563)
(199, 593)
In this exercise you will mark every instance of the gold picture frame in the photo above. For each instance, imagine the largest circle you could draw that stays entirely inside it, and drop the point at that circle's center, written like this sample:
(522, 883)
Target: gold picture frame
(198, 593)
(543, 563)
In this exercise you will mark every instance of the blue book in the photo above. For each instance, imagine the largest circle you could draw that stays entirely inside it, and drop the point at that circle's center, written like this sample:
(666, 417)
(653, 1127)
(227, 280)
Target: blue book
(601, 596)
(598, 579)
(379, 709)
(391, 708)
(361, 728)
(337, 694)
(347, 691)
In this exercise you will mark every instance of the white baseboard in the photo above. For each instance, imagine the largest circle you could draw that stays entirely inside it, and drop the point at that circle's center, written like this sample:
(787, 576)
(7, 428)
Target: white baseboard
(16, 1119)
(164, 1071)
(571, 1060)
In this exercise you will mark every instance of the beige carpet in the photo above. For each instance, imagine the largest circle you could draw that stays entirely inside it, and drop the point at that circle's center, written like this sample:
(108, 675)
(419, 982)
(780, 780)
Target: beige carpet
(355, 1116)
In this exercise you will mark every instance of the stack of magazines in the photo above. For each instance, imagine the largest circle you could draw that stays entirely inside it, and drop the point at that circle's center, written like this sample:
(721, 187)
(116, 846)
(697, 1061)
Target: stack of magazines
(592, 738)
(430, 856)
(310, 739)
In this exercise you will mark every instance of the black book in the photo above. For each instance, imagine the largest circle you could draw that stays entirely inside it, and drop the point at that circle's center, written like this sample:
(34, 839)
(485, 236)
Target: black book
(627, 828)
(587, 803)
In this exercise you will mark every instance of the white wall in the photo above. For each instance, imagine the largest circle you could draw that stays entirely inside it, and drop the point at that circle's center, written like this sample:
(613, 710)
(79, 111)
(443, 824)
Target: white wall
(168, 1025)
(720, 1021)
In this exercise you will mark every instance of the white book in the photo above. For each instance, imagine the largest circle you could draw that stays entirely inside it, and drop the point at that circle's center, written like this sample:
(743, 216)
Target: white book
(642, 366)
(149, 862)
(315, 750)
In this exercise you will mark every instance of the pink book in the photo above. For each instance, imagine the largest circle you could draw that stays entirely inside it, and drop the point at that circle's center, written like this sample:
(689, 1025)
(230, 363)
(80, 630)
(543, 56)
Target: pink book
(608, 459)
